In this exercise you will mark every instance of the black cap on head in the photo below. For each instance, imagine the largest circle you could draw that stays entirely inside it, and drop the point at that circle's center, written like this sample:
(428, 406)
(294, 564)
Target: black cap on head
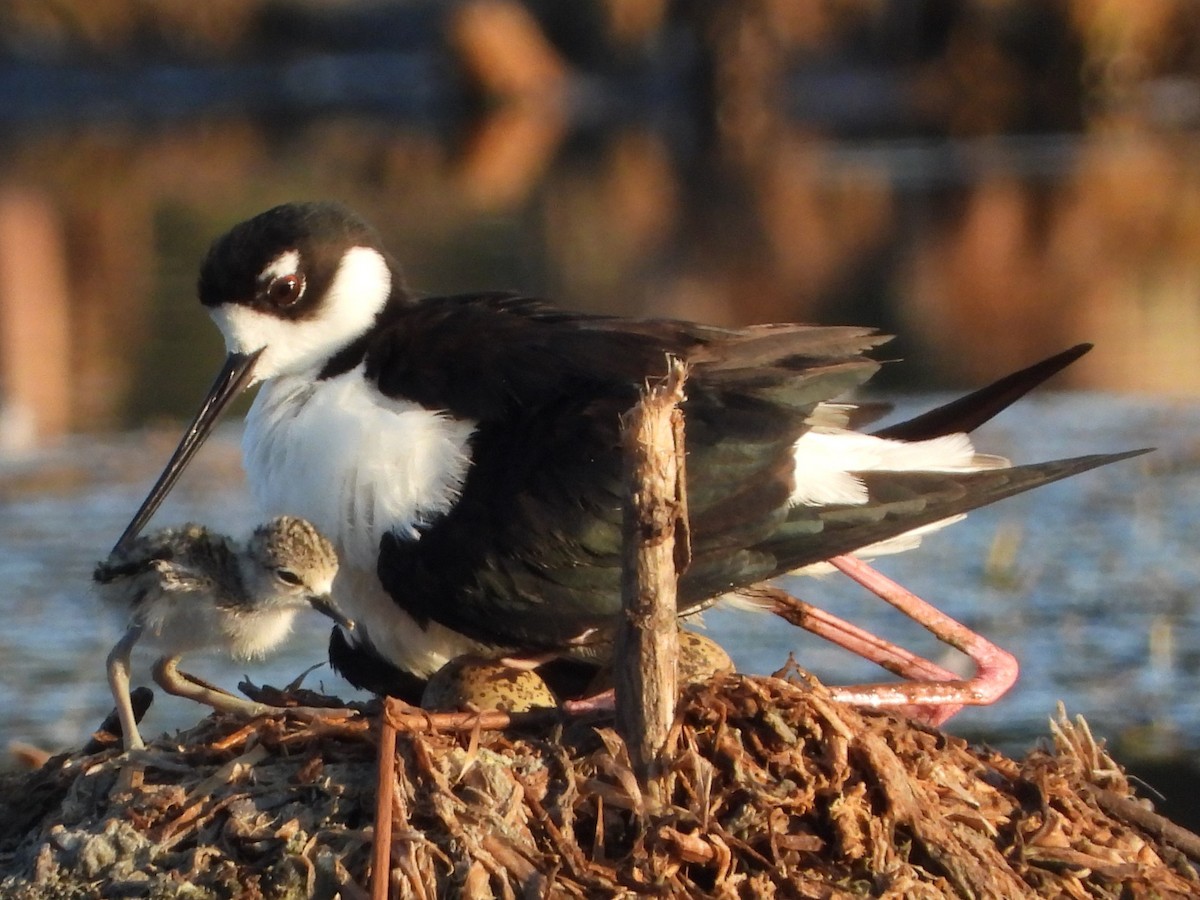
(319, 231)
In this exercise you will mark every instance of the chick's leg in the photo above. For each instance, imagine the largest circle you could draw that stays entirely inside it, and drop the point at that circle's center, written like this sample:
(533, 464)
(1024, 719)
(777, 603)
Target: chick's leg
(118, 682)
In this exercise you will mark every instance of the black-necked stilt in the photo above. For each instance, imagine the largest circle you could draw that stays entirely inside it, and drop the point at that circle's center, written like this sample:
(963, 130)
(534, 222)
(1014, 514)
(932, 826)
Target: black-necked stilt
(461, 452)
(188, 589)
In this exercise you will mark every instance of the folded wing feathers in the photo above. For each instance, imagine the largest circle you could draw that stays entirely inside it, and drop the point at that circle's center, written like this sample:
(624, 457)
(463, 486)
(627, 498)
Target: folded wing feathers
(902, 501)
(760, 345)
(829, 462)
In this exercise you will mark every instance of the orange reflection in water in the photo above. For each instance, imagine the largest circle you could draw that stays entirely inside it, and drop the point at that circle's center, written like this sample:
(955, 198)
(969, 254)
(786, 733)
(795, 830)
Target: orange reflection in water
(101, 232)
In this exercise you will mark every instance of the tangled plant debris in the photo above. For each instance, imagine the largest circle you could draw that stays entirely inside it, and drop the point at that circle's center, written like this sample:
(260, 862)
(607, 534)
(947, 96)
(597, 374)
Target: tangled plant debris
(770, 789)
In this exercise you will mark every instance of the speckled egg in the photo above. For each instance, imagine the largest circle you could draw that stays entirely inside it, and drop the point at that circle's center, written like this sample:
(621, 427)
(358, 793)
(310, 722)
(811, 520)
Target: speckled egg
(470, 682)
(700, 658)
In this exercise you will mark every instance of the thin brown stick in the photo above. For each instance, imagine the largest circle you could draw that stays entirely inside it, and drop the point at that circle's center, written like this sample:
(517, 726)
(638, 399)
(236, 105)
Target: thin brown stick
(381, 858)
(1131, 812)
(412, 720)
(655, 546)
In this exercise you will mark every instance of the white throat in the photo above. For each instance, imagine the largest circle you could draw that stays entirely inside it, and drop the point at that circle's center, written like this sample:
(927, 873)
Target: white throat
(356, 294)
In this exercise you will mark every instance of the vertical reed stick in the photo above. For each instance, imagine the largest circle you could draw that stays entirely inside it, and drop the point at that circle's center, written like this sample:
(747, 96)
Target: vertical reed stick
(381, 857)
(655, 550)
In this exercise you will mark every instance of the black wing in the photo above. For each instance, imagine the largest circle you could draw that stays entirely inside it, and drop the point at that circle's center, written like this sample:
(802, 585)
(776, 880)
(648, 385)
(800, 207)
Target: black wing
(531, 551)
(530, 554)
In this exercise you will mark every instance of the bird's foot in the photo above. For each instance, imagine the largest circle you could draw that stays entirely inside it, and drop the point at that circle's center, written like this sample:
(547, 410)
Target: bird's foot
(181, 684)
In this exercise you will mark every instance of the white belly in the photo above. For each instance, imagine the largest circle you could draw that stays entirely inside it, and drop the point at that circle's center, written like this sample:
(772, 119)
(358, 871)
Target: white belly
(357, 464)
(178, 623)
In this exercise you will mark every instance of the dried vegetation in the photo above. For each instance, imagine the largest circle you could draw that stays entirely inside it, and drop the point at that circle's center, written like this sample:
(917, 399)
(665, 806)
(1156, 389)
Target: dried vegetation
(771, 789)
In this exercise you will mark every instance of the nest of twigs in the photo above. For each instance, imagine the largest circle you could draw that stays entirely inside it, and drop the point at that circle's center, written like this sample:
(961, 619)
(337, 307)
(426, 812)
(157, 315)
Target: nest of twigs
(768, 788)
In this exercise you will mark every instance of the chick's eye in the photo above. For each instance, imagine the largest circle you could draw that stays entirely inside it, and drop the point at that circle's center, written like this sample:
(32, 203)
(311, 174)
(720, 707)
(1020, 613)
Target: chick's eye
(284, 291)
(287, 576)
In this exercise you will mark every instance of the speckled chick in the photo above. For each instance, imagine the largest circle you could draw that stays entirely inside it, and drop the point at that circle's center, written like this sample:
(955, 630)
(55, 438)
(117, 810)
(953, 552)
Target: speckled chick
(472, 683)
(188, 589)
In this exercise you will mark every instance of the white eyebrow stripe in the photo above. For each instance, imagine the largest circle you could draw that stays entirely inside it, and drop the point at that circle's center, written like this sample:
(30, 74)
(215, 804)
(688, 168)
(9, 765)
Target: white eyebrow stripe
(359, 289)
(286, 263)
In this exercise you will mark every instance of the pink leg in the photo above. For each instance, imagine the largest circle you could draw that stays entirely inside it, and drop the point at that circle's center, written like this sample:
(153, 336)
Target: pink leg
(838, 631)
(862, 643)
(996, 669)
(933, 695)
(605, 701)
(858, 641)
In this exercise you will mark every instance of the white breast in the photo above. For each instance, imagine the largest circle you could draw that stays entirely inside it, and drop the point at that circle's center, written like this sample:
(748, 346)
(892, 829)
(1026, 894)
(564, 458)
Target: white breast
(357, 464)
(351, 461)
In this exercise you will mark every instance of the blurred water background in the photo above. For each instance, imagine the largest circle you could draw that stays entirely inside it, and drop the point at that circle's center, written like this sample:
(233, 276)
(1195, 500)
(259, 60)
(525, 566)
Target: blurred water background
(990, 180)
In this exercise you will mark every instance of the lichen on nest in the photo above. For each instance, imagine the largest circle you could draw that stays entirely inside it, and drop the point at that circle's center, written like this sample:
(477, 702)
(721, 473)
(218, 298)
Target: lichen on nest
(770, 788)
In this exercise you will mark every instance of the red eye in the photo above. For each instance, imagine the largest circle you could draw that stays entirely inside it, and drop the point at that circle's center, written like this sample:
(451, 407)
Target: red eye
(284, 291)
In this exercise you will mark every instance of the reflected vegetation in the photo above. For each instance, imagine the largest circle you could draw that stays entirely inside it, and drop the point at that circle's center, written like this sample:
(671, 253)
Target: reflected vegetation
(990, 181)
(101, 233)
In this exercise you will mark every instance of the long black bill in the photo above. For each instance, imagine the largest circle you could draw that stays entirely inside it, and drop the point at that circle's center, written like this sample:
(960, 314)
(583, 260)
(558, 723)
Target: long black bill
(230, 382)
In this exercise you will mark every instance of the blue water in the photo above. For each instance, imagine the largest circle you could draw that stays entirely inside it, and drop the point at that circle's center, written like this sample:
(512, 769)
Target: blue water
(1100, 604)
